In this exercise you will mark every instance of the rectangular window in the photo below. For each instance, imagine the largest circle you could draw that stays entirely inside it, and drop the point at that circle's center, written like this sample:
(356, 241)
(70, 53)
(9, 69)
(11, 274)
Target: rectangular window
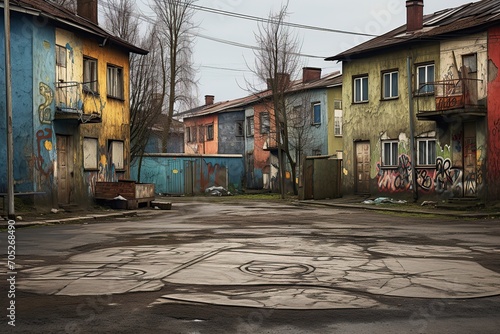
(117, 156)
(470, 63)
(425, 78)
(250, 126)
(316, 110)
(115, 82)
(240, 128)
(361, 89)
(61, 63)
(90, 75)
(390, 153)
(390, 81)
(337, 104)
(210, 132)
(194, 132)
(265, 125)
(90, 156)
(338, 123)
(426, 152)
(201, 136)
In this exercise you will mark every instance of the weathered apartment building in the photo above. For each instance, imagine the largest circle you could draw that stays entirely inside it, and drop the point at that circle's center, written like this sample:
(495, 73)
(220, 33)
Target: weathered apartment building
(70, 84)
(422, 106)
(247, 127)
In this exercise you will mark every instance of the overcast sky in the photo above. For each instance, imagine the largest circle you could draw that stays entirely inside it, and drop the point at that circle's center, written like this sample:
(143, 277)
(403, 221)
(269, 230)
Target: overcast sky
(222, 68)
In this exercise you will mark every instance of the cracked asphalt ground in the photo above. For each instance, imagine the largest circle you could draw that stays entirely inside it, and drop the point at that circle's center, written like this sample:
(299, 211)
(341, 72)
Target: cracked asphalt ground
(258, 267)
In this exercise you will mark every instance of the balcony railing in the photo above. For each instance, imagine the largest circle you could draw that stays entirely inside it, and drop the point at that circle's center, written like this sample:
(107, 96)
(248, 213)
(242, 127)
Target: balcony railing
(456, 95)
(79, 100)
(271, 142)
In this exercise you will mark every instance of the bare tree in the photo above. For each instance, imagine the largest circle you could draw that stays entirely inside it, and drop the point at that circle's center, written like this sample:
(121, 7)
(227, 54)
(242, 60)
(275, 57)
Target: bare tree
(120, 20)
(276, 62)
(68, 4)
(147, 74)
(175, 22)
(301, 138)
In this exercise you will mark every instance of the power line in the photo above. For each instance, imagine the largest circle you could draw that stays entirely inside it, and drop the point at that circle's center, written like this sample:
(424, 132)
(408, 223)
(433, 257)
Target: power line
(260, 19)
(246, 46)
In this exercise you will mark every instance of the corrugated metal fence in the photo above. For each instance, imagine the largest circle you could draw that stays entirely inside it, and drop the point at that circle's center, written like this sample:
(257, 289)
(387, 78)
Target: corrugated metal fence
(182, 174)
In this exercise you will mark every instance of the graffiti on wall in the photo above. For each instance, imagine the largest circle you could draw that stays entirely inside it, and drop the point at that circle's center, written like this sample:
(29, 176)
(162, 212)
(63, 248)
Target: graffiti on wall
(44, 112)
(43, 146)
(447, 180)
(494, 159)
(396, 180)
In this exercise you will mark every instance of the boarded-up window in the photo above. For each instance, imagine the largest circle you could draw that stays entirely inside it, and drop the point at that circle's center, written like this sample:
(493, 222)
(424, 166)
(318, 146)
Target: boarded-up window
(116, 147)
(90, 156)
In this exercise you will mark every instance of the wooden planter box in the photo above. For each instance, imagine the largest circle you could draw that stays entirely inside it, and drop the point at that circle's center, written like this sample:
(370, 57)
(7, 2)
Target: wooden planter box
(134, 193)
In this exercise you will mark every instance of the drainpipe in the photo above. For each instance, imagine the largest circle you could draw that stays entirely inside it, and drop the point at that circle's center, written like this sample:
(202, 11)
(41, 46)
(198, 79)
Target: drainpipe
(8, 114)
(412, 132)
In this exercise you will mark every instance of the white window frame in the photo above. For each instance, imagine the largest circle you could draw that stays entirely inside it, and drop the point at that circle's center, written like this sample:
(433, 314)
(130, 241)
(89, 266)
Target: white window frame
(90, 153)
(421, 85)
(363, 95)
(90, 75)
(61, 63)
(428, 157)
(392, 79)
(393, 146)
(337, 131)
(115, 82)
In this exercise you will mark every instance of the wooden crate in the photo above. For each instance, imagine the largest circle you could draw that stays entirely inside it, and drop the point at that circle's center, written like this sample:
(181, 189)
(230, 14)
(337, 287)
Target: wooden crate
(134, 193)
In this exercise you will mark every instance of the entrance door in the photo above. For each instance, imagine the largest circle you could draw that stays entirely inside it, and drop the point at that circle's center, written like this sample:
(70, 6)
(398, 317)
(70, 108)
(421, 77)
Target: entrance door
(363, 167)
(470, 162)
(63, 169)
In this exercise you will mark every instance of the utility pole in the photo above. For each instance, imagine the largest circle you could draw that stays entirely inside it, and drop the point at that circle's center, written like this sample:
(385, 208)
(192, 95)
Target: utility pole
(8, 114)
(412, 132)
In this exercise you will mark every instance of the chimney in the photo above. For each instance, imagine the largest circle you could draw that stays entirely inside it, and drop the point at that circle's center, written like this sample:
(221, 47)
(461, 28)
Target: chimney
(209, 99)
(414, 15)
(310, 74)
(87, 9)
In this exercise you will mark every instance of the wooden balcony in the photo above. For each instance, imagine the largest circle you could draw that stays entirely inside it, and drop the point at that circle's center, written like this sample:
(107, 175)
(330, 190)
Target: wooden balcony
(448, 99)
(78, 101)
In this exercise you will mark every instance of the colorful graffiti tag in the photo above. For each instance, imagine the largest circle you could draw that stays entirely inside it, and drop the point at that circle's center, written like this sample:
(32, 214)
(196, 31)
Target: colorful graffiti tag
(44, 112)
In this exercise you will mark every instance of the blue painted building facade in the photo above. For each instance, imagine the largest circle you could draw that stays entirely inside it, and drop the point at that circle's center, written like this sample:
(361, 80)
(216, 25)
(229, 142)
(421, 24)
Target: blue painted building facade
(33, 66)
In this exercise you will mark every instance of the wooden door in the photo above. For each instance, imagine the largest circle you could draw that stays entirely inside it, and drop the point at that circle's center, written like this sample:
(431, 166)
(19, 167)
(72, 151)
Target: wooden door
(63, 170)
(362, 167)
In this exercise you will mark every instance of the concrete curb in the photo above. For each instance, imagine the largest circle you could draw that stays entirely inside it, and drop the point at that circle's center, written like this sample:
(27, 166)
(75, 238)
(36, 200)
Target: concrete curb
(68, 220)
(402, 209)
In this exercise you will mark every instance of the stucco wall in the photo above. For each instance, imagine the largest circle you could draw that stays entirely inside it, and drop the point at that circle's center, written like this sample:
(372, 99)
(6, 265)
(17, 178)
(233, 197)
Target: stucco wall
(335, 143)
(381, 119)
(493, 161)
(32, 82)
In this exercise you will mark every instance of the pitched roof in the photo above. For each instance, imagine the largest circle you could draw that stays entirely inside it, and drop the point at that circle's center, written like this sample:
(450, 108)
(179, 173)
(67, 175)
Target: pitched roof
(329, 80)
(441, 24)
(65, 18)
